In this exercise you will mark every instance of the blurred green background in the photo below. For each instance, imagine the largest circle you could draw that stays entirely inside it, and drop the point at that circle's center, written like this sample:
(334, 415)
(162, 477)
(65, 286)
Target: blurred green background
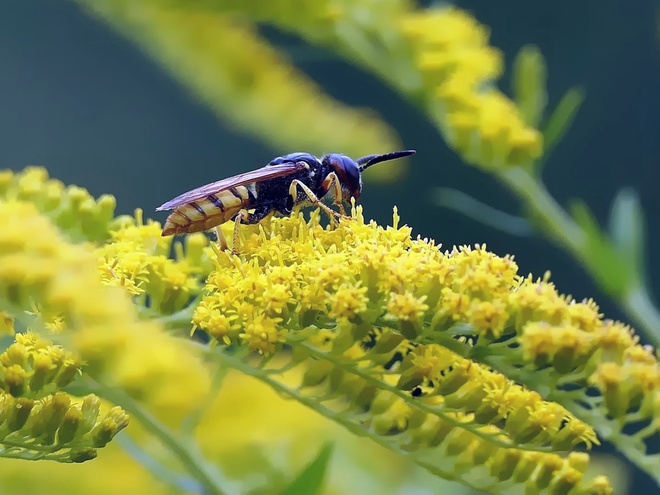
(86, 103)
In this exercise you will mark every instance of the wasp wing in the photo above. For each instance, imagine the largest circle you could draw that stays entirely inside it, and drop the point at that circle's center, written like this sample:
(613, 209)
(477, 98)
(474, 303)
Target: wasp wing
(258, 175)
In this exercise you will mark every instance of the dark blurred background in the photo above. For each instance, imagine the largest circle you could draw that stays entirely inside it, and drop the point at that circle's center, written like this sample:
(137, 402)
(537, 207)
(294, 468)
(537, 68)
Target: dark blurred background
(81, 100)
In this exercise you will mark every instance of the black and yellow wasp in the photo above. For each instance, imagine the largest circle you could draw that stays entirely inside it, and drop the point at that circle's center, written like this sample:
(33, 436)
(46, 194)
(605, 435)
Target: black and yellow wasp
(274, 188)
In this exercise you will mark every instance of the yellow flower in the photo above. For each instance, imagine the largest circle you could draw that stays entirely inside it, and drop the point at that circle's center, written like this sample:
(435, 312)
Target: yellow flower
(57, 283)
(348, 302)
(261, 334)
(34, 367)
(136, 259)
(452, 54)
(352, 294)
(71, 208)
(406, 307)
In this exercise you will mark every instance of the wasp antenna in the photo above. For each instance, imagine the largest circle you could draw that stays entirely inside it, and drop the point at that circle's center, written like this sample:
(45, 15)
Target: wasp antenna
(369, 160)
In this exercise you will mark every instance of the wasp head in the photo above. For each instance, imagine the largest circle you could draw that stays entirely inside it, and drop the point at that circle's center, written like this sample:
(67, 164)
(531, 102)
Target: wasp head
(348, 173)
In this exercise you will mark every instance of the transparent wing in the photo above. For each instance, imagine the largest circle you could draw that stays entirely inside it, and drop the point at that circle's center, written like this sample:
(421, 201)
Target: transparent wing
(261, 174)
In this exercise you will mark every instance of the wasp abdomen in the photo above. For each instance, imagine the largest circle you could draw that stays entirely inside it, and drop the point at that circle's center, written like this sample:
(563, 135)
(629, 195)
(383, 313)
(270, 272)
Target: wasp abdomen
(211, 211)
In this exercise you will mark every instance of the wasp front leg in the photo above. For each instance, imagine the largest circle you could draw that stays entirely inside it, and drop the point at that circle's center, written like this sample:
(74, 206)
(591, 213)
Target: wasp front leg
(247, 218)
(293, 192)
(332, 182)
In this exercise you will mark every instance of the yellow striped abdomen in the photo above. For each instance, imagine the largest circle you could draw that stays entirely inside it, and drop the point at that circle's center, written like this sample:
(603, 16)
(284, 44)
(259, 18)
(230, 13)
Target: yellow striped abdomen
(206, 213)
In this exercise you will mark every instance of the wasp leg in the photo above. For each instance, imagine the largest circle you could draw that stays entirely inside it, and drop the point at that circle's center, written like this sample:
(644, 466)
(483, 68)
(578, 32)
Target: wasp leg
(293, 192)
(247, 218)
(222, 240)
(332, 182)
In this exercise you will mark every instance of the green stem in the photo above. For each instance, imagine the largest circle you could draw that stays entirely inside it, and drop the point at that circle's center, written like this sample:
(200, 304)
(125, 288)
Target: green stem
(636, 301)
(536, 196)
(191, 422)
(180, 318)
(185, 451)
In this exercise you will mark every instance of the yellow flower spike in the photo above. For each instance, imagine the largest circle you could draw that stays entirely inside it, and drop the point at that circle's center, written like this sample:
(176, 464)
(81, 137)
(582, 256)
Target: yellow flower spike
(137, 260)
(431, 360)
(457, 93)
(102, 324)
(15, 380)
(217, 324)
(444, 27)
(54, 193)
(342, 295)
(72, 209)
(55, 324)
(452, 54)
(613, 338)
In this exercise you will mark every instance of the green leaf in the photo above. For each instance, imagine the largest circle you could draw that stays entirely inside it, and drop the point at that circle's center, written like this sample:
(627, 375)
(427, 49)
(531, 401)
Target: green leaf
(529, 84)
(471, 207)
(612, 275)
(310, 480)
(562, 118)
(626, 228)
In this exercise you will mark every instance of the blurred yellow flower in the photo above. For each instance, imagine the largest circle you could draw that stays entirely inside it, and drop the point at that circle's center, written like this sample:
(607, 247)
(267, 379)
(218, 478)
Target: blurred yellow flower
(61, 280)
(451, 52)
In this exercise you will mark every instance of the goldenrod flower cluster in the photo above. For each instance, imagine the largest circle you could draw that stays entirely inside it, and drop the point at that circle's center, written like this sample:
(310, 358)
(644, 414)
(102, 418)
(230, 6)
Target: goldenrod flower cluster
(37, 421)
(380, 312)
(137, 258)
(100, 323)
(72, 209)
(34, 367)
(452, 54)
(440, 57)
(256, 88)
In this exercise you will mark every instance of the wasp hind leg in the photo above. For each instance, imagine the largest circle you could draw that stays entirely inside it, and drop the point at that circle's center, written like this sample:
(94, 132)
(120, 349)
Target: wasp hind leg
(293, 192)
(246, 218)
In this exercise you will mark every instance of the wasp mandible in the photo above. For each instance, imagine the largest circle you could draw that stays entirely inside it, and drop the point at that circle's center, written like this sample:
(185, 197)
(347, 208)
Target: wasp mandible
(296, 179)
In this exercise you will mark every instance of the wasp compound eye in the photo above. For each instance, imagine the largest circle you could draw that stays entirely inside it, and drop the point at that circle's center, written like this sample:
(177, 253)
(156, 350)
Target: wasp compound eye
(348, 173)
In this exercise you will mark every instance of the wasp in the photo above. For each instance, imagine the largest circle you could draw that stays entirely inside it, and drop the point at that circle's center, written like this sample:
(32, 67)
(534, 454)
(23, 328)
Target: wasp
(293, 180)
